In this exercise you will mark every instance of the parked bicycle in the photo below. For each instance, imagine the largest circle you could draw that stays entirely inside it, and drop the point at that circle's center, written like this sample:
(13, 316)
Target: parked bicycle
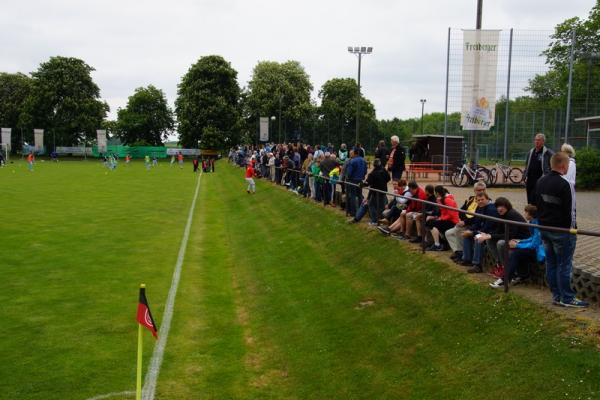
(508, 173)
(465, 175)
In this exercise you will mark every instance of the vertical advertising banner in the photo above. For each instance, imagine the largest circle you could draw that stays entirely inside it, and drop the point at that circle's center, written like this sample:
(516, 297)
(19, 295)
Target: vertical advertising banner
(480, 62)
(101, 133)
(6, 137)
(264, 129)
(38, 137)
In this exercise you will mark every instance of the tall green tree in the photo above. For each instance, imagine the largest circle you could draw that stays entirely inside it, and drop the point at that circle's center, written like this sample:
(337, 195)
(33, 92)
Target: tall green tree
(338, 113)
(14, 90)
(146, 118)
(551, 87)
(208, 101)
(65, 101)
(276, 86)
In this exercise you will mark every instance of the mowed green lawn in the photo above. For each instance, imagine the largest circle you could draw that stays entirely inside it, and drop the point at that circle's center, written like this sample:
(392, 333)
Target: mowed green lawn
(75, 243)
(279, 299)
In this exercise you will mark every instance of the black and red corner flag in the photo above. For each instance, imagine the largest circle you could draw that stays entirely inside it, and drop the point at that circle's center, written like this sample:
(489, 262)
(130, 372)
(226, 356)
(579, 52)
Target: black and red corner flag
(144, 316)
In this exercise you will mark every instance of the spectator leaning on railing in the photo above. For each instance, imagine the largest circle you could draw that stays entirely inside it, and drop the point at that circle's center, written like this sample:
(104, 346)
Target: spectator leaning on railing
(375, 201)
(356, 170)
(454, 235)
(555, 200)
(327, 165)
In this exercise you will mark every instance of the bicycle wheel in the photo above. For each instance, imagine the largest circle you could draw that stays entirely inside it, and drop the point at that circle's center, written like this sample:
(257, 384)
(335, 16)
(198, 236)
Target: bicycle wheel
(454, 178)
(461, 179)
(484, 175)
(515, 175)
(493, 176)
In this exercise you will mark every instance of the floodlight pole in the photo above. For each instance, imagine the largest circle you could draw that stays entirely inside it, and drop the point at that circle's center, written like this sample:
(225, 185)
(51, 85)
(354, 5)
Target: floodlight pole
(358, 101)
(423, 101)
(571, 56)
(280, 98)
(359, 51)
(473, 152)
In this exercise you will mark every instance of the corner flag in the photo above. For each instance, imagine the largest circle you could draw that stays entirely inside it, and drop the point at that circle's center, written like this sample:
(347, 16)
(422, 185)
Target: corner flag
(144, 316)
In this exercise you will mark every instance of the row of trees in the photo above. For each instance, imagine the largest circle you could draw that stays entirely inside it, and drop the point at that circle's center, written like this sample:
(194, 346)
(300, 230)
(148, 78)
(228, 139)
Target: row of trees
(210, 109)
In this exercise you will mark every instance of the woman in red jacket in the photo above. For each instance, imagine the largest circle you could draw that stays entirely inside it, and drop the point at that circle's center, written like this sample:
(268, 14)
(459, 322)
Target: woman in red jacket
(447, 219)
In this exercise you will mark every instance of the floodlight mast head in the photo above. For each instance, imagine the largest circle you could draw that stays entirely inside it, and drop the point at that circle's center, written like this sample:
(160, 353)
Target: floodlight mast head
(360, 50)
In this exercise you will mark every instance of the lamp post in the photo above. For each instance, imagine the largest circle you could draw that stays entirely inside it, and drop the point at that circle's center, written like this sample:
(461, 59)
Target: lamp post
(273, 118)
(280, 98)
(359, 51)
(423, 101)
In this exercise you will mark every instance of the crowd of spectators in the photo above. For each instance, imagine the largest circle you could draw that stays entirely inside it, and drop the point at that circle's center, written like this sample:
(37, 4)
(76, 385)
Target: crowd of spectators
(414, 214)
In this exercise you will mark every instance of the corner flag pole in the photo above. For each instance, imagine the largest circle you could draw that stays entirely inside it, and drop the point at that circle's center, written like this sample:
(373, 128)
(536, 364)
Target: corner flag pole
(138, 388)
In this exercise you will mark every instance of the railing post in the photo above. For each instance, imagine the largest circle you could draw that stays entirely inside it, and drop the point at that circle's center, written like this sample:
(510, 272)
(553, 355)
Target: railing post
(423, 234)
(506, 271)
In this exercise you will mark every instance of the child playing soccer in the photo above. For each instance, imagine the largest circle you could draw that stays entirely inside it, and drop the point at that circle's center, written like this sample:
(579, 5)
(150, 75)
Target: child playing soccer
(30, 161)
(249, 179)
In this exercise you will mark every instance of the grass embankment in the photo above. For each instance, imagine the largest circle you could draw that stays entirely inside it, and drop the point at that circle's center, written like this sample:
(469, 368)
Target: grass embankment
(75, 243)
(282, 299)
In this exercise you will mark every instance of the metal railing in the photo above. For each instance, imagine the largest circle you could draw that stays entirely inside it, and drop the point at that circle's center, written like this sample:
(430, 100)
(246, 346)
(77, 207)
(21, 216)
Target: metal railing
(505, 222)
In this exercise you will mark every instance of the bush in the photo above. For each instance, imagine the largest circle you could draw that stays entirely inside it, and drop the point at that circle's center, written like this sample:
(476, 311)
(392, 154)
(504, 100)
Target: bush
(588, 171)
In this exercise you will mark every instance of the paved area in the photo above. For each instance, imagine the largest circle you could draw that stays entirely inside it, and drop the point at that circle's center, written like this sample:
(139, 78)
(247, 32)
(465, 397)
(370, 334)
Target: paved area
(587, 252)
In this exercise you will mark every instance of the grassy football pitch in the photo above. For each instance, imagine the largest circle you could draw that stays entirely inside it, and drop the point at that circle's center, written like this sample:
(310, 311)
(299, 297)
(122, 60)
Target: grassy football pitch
(278, 299)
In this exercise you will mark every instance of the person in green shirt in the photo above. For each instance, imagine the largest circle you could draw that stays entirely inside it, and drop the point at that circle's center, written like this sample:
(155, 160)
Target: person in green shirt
(315, 170)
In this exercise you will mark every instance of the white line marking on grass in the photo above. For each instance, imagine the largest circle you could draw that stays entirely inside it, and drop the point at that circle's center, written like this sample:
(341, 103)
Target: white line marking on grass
(159, 349)
(114, 394)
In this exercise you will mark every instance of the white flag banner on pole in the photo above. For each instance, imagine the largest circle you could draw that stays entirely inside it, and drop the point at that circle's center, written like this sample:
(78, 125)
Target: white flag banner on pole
(38, 135)
(480, 63)
(101, 133)
(6, 137)
(264, 129)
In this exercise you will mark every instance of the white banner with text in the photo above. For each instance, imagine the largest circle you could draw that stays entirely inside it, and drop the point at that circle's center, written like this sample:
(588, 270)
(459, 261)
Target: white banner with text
(480, 63)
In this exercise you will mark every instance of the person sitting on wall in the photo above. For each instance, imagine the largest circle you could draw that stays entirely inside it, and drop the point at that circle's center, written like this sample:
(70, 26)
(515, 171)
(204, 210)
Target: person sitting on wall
(524, 252)
(454, 235)
(446, 220)
(495, 242)
(393, 210)
(473, 248)
(401, 228)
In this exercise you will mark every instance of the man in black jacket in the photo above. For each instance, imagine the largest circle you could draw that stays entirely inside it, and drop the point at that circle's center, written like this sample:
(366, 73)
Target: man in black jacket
(495, 240)
(378, 179)
(555, 200)
(327, 165)
(538, 164)
(395, 162)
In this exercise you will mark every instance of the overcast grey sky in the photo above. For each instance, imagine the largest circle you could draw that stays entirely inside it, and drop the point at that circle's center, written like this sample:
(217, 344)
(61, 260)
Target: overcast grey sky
(137, 43)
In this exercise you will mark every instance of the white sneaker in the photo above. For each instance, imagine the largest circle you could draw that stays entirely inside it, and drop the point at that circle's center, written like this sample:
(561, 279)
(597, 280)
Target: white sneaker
(497, 284)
